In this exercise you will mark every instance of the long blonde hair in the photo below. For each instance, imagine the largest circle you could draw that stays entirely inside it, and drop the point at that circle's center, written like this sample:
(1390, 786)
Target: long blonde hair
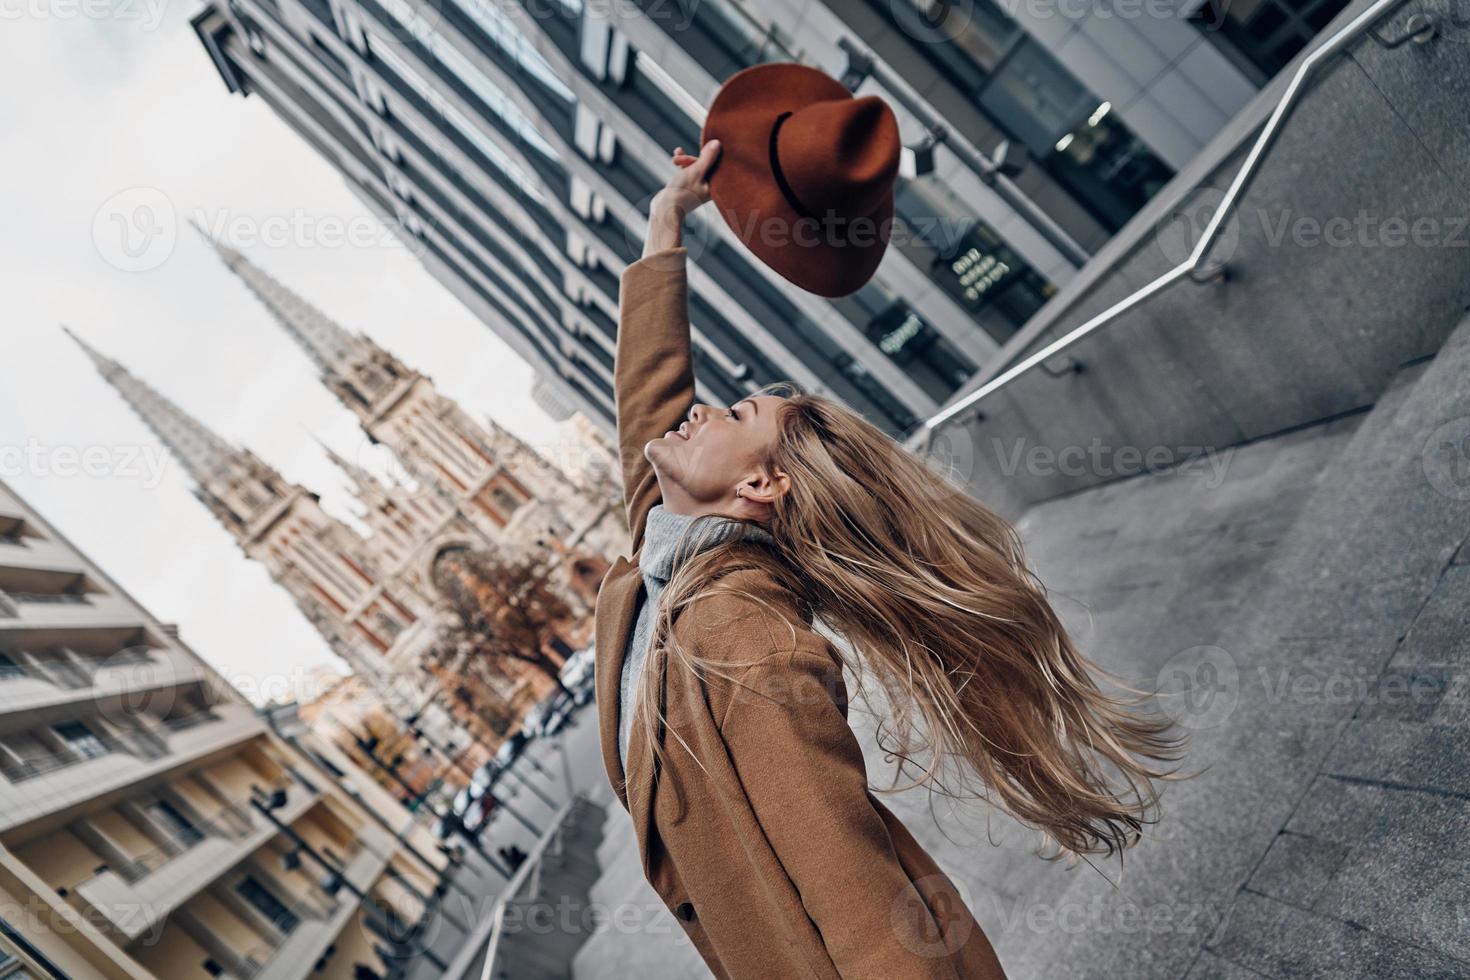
(932, 592)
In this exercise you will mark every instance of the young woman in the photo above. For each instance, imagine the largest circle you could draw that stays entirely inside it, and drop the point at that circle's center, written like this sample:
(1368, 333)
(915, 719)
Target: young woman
(723, 713)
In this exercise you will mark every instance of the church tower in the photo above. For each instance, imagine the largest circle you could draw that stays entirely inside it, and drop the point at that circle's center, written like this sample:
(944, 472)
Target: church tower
(374, 617)
(514, 495)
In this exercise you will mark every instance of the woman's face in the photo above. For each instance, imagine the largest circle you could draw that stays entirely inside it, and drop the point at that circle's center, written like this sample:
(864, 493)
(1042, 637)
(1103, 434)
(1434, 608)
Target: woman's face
(711, 463)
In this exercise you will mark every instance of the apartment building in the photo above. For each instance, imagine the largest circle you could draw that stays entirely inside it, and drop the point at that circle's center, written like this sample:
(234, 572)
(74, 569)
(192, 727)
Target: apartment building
(152, 822)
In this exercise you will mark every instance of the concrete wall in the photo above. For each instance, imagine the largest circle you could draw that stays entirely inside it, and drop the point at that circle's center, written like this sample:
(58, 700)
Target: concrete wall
(60, 859)
(175, 954)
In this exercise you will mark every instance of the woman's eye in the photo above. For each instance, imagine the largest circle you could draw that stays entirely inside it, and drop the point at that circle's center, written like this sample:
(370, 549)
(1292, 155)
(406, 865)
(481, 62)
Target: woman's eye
(731, 413)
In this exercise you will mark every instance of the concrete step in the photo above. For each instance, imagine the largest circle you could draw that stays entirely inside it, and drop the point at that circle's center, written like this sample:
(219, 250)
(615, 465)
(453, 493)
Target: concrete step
(1296, 574)
(1308, 666)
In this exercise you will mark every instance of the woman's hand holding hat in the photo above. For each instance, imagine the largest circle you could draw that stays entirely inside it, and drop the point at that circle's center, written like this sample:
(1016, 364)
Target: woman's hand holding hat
(686, 189)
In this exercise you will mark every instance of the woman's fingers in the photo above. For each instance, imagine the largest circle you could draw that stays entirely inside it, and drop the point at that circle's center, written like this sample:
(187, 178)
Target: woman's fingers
(707, 155)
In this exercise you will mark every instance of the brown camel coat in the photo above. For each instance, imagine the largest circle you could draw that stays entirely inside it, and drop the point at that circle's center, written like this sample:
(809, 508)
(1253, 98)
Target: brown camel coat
(770, 852)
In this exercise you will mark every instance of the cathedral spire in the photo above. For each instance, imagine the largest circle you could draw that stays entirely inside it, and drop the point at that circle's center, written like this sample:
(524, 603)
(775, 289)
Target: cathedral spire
(331, 347)
(203, 454)
(362, 375)
(360, 477)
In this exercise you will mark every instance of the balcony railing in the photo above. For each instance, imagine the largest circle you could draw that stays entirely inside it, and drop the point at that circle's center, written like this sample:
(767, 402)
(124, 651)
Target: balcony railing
(145, 743)
(231, 822)
(55, 598)
(73, 674)
(318, 906)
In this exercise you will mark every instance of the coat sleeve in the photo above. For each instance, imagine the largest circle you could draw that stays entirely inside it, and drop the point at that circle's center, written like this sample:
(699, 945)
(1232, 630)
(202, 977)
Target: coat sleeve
(801, 766)
(653, 376)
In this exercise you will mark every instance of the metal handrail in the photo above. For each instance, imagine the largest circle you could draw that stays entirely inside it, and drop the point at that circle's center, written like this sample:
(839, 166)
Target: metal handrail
(1194, 265)
(147, 742)
(518, 882)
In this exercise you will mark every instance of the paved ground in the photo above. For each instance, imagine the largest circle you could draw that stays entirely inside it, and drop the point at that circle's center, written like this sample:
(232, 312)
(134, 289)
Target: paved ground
(1305, 607)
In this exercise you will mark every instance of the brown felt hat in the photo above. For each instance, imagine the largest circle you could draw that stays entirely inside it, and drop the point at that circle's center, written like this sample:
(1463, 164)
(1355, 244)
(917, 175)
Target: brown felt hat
(806, 173)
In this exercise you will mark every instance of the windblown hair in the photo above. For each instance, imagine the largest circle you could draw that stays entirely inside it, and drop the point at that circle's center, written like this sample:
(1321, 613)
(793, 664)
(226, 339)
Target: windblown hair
(932, 592)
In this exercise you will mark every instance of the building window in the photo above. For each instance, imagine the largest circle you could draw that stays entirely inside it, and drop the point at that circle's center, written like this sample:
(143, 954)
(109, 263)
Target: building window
(81, 740)
(180, 827)
(1036, 101)
(266, 903)
(12, 530)
(918, 348)
(20, 960)
(505, 500)
(981, 271)
(1268, 33)
(1073, 134)
(875, 390)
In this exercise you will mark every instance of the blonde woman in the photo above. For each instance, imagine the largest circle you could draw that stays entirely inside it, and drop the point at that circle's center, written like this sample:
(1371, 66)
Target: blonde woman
(723, 713)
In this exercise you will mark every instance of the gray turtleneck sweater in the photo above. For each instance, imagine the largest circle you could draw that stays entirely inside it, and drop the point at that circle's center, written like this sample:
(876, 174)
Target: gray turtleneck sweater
(657, 562)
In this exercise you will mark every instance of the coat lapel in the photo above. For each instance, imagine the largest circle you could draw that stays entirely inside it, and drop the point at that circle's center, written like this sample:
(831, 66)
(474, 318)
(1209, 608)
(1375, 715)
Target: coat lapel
(617, 606)
(617, 603)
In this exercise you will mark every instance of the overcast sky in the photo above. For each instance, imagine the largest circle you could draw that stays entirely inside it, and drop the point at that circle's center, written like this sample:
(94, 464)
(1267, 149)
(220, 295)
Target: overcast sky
(118, 115)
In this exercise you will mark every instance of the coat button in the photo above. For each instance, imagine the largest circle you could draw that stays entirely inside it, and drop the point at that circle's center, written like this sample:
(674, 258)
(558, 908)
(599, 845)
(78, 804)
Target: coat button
(685, 911)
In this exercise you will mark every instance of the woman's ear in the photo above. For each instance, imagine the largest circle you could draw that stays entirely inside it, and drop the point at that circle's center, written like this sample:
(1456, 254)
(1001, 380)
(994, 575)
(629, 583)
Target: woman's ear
(761, 487)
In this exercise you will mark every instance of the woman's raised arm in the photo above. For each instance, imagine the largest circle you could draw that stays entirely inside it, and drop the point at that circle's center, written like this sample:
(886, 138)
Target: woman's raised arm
(653, 376)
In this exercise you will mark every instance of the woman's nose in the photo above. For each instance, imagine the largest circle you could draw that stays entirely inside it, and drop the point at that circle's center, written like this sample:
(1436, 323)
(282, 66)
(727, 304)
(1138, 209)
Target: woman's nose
(697, 412)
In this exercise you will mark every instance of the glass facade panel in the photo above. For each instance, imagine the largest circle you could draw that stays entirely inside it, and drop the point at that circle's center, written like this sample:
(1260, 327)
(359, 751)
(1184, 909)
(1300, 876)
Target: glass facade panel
(461, 67)
(1073, 134)
(983, 271)
(1266, 34)
(1036, 101)
(920, 350)
(80, 739)
(453, 116)
(267, 904)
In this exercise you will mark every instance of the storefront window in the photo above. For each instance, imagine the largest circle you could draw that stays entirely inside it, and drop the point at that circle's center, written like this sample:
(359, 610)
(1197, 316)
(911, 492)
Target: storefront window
(1266, 33)
(1073, 134)
(983, 272)
(920, 350)
(1032, 96)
